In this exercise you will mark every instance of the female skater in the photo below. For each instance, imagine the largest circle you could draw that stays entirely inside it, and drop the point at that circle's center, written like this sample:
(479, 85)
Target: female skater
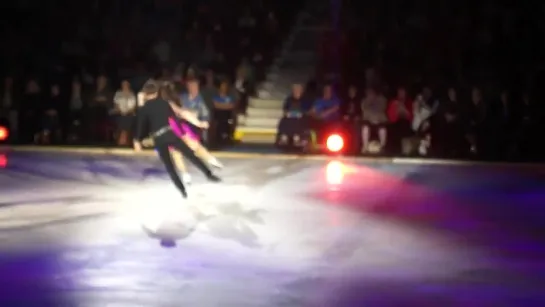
(156, 112)
(194, 103)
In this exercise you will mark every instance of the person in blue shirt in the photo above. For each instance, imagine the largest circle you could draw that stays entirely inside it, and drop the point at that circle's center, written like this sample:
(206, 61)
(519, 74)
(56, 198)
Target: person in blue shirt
(192, 101)
(224, 112)
(327, 107)
(293, 126)
(325, 112)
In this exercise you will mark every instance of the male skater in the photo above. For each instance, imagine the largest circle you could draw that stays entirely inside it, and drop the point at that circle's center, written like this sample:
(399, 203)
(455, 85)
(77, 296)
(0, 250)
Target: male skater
(156, 113)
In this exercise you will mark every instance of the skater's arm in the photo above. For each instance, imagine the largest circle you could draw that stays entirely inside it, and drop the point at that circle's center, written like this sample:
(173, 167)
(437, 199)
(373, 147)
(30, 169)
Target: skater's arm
(190, 117)
(185, 114)
(176, 108)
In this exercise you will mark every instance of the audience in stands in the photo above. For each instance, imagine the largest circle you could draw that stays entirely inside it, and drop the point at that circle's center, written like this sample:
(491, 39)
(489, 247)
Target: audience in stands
(235, 41)
(386, 44)
(402, 49)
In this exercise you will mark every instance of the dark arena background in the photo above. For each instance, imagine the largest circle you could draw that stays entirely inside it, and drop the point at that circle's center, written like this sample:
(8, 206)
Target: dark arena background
(375, 153)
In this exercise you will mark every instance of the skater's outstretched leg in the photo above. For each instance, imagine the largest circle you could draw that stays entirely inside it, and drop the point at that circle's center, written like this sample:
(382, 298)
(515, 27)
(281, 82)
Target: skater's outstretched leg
(180, 165)
(164, 155)
(181, 146)
(201, 151)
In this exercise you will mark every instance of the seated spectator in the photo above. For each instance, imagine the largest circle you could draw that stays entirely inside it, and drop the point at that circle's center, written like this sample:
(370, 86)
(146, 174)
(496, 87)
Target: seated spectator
(224, 112)
(529, 113)
(429, 98)
(243, 89)
(8, 109)
(30, 106)
(76, 112)
(51, 123)
(400, 115)
(124, 109)
(293, 126)
(528, 128)
(209, 89)
(352, 106)
(351, 110)
(476, 116)
(422, 112)
(100, 103)
(502, 121)
(325, 113)
(448, 132)
(374, 119)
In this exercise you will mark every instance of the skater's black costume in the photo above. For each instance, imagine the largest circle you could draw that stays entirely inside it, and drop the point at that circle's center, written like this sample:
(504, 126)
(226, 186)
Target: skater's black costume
(155, 113)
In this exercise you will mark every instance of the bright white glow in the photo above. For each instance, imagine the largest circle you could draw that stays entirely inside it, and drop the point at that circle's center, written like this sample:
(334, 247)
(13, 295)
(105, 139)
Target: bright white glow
(150, 207)
(334, 173)
(334, 143)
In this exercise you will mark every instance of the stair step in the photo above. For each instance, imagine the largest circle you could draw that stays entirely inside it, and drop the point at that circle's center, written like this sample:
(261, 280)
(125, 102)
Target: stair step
(255, 135)
(261, 122)
(258, 139)
(263, 94)
(264, 112)
(262, 103)
(256, 130)
(275, 94)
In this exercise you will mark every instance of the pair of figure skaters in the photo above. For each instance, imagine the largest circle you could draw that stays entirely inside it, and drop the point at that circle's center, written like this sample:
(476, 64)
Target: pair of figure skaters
(174, 130)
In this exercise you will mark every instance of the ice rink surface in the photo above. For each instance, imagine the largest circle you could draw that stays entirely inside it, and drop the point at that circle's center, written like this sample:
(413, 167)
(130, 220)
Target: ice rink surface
(276, 232)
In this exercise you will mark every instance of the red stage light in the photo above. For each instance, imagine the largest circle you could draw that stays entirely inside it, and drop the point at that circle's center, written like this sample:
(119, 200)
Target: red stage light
(4, 133)
(334, 143)
(3, 161)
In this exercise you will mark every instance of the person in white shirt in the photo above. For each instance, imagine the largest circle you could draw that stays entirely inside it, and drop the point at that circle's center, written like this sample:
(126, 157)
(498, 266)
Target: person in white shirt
(124, 108)
(76, 112)
(421, 124)
(374, 117)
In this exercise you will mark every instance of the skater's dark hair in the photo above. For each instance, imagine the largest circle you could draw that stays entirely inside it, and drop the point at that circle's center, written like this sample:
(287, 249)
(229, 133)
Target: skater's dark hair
(167, 91)
(150, 87)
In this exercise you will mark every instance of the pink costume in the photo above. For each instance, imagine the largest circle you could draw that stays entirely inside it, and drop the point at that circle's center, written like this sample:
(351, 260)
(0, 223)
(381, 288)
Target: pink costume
(181, 129)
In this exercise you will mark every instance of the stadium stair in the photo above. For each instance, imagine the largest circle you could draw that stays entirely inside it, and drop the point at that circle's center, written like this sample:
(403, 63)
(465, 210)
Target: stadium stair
(295, 63)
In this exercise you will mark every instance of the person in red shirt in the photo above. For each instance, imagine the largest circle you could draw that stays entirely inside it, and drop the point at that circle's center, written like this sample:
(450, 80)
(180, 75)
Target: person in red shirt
(400, 116)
